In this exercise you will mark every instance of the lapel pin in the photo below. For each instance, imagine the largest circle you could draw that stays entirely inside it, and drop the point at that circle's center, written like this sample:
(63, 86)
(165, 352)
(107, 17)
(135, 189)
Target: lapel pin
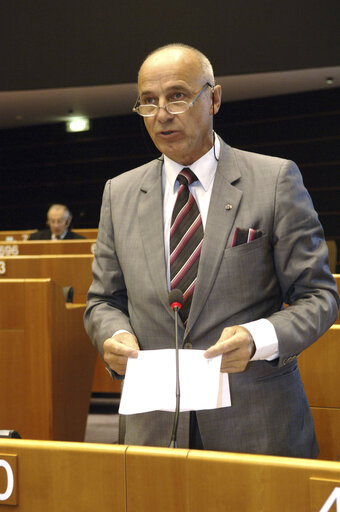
(228, 206)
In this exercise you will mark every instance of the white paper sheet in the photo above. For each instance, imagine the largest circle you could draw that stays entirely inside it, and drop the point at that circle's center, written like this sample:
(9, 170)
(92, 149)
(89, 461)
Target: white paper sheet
(150, 382)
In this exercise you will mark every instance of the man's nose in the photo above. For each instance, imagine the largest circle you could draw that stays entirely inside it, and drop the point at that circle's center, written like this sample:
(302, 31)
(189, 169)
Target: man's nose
(163, 115)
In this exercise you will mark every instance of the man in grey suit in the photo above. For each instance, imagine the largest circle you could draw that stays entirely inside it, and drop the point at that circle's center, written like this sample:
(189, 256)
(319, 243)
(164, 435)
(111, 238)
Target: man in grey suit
(263, 246)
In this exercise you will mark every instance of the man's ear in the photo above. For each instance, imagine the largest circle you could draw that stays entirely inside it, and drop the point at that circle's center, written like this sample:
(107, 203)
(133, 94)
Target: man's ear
(216, 96)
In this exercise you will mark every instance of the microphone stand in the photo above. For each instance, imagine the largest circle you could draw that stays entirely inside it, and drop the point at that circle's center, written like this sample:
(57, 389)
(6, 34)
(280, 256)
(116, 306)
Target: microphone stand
(173, 442)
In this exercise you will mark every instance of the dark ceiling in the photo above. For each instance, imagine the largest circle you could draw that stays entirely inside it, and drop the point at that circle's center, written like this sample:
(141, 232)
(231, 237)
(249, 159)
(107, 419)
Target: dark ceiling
(66, 43)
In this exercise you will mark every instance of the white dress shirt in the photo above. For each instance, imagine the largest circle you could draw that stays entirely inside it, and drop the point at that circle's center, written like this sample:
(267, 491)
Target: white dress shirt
(61, 237)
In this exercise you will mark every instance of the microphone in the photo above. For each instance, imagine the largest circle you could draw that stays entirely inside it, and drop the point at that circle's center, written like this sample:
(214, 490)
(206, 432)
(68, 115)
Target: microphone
(176, 300)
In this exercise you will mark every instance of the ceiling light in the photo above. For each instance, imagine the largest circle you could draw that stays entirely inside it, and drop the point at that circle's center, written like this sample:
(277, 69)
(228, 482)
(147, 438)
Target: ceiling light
(79, 124)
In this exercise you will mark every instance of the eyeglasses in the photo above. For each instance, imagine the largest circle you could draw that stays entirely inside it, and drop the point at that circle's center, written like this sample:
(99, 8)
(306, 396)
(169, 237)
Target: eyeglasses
(173, 107)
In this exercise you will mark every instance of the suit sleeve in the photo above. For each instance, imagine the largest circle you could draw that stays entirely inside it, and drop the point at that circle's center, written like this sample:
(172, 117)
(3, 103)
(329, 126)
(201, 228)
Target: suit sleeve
(106, 310)
(301, 263)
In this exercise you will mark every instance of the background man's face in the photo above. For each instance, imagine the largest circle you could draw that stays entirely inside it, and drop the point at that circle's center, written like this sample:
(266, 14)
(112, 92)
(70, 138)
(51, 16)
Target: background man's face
(58, 221)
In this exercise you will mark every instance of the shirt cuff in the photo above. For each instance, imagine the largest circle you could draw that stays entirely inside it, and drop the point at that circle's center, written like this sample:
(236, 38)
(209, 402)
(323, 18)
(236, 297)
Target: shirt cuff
(118, 332)
(265, 339)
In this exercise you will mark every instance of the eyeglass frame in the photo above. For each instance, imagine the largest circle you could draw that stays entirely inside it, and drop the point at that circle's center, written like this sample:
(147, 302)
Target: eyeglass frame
(157, 107)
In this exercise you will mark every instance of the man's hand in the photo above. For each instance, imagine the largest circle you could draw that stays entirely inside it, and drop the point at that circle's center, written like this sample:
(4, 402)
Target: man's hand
(237, 347)
(117, 350)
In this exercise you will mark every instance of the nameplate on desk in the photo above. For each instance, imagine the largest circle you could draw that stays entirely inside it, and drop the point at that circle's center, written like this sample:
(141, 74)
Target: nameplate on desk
(324, 494)
(8, 480)
(9, 250)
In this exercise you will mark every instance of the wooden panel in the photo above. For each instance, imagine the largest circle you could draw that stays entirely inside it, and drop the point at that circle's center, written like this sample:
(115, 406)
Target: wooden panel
(21, 408)
(319, 488)
(102, 382)
(12, 310)
(252, 482)
(88, 477)
(332, 254)
(65, 270)
(337, 279)
(319, 367)
(29, 247)
(87, 233)
(46, 366)
(156, 479)
(25, 233)
(67, 477)
(75, 270)
(73, 360)
(25, 363)
(327, 428)
(16, 234)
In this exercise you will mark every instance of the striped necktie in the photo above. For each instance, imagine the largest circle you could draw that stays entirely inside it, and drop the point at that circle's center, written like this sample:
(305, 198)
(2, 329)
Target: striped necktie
(186, 238)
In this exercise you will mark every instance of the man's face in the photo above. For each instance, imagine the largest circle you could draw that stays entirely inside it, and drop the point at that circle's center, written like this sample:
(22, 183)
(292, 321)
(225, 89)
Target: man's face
(172, 76)
(57, 220)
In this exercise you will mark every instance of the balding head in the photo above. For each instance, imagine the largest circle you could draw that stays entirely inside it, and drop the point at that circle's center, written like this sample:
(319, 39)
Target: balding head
(193, 56)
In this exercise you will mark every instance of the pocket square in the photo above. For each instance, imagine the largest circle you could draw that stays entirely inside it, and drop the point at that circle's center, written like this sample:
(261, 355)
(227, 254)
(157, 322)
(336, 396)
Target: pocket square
(244, 236)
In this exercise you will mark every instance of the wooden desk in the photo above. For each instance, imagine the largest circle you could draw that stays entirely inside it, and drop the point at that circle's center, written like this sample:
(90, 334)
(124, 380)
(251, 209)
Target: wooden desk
(88, 477)
(46, 363)
(30, 247)
(319, 368)
(65, 270)
(68, 477)
(332, 254)
(23, 234)
(87, 233)
(257, 483)
(337, 279)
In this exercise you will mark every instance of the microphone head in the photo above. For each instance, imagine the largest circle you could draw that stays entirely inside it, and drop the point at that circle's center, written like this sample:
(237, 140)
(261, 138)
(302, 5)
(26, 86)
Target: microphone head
(176, 298)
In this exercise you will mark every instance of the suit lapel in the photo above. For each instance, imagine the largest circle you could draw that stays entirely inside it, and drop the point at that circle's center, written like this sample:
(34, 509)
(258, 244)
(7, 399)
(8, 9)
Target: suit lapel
(150, 215)
(224, 203)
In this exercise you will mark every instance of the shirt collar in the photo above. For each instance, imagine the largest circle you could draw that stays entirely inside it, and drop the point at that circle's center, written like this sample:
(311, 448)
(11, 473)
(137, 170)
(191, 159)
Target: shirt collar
(62, 236)
(204, 168)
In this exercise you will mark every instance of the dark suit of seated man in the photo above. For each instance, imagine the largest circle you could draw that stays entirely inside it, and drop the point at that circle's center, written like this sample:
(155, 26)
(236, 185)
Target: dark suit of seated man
(59, 219)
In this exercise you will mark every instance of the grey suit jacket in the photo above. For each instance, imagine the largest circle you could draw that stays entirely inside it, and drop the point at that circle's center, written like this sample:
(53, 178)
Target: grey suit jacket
(289, 263)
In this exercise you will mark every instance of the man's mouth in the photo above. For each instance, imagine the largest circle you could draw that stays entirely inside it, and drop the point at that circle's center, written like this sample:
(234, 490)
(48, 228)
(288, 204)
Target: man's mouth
(167, 133)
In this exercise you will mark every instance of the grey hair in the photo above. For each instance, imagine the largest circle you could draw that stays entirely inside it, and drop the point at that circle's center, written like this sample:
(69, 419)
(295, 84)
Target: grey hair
(207, 69)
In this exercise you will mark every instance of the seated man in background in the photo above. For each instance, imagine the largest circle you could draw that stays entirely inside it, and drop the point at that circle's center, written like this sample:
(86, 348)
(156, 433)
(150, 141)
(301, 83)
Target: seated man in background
(58, 221)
